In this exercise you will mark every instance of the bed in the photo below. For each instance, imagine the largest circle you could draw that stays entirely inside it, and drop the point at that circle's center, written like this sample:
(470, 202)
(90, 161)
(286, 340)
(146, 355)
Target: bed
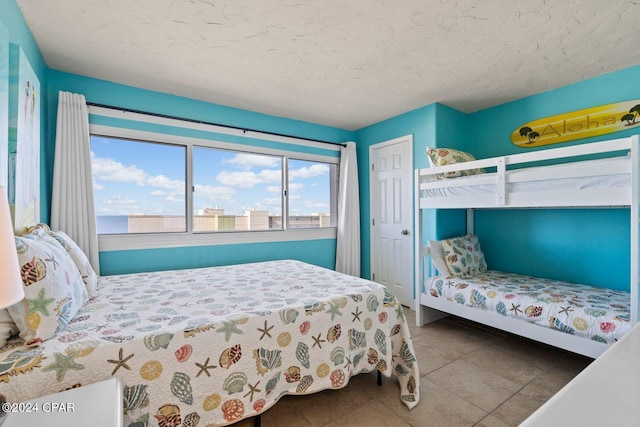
(585, 320)
(215, 345)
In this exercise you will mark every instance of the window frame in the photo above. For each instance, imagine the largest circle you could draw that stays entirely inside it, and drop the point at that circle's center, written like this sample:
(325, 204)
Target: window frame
(189, 238)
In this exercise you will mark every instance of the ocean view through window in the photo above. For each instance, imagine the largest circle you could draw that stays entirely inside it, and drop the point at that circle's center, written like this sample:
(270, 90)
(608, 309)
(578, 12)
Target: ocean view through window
(143, 187)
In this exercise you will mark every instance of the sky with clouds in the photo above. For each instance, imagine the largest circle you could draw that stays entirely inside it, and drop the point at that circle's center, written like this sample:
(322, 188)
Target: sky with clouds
(131, 177)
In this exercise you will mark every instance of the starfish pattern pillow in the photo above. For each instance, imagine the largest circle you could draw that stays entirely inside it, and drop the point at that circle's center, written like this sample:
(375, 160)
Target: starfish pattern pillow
(54, 290)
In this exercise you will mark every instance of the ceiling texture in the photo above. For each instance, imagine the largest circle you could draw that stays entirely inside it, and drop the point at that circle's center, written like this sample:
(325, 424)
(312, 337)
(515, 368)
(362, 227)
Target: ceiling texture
(342, 63)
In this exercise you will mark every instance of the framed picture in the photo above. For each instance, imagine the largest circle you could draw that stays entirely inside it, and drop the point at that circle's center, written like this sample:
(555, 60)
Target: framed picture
(4, 105)
(24, 140)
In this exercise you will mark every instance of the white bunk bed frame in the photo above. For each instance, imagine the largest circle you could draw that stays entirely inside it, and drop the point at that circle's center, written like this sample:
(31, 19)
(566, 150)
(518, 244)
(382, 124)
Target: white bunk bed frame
(429, 308)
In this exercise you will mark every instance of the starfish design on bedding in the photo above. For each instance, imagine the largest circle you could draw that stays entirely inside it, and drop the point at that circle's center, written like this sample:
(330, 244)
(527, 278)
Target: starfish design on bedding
(229, 328)
(265, 330)
(62, 364)
(565, 310)
(318, 341)
(204, 367)
(121, 362)
(400, 312)
(252, 389)
(52, 259)
(40, 303)
(348, 364)
(515, 308)
(356, 314)
(334, 310)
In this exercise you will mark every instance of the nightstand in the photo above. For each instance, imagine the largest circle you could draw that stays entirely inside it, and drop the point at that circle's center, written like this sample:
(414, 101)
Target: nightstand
(95, 405)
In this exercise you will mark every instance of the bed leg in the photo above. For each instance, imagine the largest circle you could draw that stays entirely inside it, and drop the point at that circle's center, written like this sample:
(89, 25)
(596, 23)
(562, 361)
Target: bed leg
(379, 378)
(256, 421)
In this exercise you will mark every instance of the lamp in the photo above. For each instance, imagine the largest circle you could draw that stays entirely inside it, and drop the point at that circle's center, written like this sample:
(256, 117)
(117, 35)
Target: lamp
(11, 290)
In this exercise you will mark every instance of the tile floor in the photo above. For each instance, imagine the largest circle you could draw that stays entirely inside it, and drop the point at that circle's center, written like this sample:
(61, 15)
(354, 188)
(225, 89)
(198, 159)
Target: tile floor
(471, 375)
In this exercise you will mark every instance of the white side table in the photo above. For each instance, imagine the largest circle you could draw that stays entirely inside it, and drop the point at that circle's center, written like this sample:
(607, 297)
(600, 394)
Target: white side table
(95, 405)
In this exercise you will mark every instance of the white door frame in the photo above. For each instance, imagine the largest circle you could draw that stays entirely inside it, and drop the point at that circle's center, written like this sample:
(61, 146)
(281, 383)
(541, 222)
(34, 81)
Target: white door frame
(406, 138)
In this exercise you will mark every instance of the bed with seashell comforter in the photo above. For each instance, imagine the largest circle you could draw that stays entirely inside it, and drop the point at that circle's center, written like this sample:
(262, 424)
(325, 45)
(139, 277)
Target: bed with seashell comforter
(215, 345)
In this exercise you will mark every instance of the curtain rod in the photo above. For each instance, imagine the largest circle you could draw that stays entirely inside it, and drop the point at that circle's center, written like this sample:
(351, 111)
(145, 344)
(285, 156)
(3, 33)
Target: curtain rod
(243, 129)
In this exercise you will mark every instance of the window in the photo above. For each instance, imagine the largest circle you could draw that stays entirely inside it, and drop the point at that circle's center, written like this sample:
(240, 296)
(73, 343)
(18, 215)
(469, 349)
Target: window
(312, 194)
(141, 187)
(138, 187)
(236, 191)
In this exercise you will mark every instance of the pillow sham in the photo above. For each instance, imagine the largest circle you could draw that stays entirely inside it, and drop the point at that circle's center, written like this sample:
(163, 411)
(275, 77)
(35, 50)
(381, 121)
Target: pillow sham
(449, 156)
(463, 256)
(437, 255)
(89, 276)
(54, 290)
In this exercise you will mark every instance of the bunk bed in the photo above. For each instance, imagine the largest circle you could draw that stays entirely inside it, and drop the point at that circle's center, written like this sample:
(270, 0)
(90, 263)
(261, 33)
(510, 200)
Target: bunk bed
(592, 175)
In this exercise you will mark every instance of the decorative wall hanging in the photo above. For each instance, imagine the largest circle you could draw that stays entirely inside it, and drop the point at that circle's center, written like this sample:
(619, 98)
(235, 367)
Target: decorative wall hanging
(594, 121)
(24, 140)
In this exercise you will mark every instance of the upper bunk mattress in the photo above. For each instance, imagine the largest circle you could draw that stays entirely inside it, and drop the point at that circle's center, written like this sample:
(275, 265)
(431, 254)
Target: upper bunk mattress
(533, 179)
(598, 314)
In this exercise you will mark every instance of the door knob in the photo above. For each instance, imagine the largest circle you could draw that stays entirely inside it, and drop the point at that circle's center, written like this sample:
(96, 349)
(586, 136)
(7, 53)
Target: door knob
(404, 232)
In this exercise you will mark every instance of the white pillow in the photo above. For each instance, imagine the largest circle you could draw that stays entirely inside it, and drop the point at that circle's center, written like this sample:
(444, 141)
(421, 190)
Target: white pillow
(437, 255)
(89, 277)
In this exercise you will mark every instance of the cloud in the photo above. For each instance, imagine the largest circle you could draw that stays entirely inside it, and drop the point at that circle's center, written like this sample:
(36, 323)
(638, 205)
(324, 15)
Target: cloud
(250, 160)
(309, 172)
(161, 181)
(105, 169)
(248, 179)
(110, 170)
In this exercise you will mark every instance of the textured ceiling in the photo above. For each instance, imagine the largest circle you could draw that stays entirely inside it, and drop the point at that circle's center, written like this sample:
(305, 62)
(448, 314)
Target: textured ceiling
(341, 63)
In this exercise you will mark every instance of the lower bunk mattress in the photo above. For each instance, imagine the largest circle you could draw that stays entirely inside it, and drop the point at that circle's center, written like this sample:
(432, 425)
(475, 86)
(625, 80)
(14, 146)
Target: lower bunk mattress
(598, 314)
(214, 345)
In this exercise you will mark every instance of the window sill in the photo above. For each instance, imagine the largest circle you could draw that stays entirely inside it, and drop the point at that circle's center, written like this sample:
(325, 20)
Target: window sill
(119, 242)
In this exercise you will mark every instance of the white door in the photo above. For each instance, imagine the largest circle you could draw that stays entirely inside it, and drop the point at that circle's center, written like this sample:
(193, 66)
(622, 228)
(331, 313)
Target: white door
(391, 186)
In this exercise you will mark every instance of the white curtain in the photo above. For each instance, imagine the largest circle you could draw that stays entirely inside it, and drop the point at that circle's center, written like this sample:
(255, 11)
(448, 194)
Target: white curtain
(348, 245)
(72, 209)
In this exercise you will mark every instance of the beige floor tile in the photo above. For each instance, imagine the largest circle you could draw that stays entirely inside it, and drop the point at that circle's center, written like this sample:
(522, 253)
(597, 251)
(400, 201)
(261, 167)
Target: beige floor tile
(371, 414)
(542, 355)
(483, 389)
(437, 408)
(325, 406)
(283, 414)
(522, 404)
(429, 357)
(573, 363)
(505, 363)
(532, 396)
(491, 421)
(450, 340)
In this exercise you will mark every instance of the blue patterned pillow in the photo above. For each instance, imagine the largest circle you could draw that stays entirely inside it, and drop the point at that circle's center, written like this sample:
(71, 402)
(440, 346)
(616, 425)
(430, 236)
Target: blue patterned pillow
(464, 256)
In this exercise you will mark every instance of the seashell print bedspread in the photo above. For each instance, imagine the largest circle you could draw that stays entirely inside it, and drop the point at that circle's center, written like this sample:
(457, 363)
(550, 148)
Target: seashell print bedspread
(598, 314)
(215, 345)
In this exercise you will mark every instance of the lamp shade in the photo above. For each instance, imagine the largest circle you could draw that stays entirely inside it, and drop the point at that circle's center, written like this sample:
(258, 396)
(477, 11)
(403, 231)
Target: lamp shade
(11, 290)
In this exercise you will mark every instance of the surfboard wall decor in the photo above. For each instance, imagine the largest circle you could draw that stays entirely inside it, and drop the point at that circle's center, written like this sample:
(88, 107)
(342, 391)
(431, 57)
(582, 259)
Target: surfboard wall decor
(594, 121)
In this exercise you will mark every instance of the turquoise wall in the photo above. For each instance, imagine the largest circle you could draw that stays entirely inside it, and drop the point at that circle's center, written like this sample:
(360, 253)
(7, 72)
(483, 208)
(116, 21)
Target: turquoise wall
(423, 124)
(19, 35)
(319, 252)
(550, 243)
(585, 246)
